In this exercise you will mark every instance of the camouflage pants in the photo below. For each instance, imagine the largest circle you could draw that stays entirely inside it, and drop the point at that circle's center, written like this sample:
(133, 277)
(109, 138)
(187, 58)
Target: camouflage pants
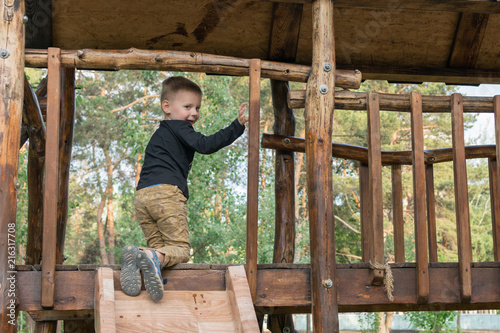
(162, 215)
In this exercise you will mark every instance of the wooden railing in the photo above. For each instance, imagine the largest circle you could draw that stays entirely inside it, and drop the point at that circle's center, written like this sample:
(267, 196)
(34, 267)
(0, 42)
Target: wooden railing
(372, 159)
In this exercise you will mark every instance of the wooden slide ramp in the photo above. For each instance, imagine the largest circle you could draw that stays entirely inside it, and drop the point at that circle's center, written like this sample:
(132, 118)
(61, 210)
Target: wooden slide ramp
(185, 311)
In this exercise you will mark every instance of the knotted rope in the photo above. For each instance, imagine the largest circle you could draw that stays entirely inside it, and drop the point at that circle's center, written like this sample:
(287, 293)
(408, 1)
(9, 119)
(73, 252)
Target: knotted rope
(388, 278)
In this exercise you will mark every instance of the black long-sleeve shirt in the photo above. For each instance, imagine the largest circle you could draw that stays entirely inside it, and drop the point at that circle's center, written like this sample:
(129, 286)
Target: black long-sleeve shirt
(170, 151)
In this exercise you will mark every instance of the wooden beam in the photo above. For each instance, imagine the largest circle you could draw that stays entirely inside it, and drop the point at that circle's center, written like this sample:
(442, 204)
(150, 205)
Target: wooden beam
(469, 35)
(67, 122)
(461, 198)
(431, 212)
(284, 37)
(51, 179)
(397, 214)
(495, 173)
(366, 220)
(11, 105)
(375, 187)
(425, 74)
(282, 288)
(253, 176)
(184, 61)
(395, 157)
(283, 47)
(469, 6)
(320, 99)
(419, 210)
(36, 164)
(495, 206)
(348, 100)
(496, 110)
(241, 299)
(39, 24)
(104, 301)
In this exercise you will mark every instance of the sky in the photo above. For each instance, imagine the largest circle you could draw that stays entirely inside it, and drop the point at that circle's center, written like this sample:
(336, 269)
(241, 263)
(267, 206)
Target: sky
(484, 130)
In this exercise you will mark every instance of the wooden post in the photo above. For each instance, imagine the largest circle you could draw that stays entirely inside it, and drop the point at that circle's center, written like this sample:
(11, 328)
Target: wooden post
(51, 178)
(375, 186)
(495, 173)
(431, 212)
(366, 220)
(67, 121)
(496, 111)
(253, 176)
(461, 199)
(495, 206)
(36, 162)
(320, 98)
(284, 124)
(11, 92)
(283, 47)
(417, 136)
(397, 214)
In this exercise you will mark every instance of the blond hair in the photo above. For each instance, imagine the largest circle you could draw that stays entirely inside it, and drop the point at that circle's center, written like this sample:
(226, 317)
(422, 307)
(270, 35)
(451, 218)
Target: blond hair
(174, 84)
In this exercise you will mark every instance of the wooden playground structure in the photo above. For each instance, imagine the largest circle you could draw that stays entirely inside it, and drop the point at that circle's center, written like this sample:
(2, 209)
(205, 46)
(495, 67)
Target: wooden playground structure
(455, 42)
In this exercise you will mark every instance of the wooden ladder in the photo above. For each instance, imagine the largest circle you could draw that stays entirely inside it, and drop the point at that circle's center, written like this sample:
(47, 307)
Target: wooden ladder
(229, 310)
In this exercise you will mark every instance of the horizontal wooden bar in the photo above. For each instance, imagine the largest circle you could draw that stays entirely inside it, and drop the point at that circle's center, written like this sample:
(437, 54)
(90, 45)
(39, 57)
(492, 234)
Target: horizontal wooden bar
(395, 157)
(183, 61)
(281, 288)
(348, 100)
(468, 6)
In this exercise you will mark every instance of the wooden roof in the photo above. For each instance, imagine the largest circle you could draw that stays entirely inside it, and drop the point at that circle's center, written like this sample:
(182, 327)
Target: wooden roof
(398, 40)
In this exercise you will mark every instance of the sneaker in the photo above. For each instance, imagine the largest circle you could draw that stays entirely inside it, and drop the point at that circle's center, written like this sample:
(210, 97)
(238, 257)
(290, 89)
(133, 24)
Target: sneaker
(151, 270)
(130, 277)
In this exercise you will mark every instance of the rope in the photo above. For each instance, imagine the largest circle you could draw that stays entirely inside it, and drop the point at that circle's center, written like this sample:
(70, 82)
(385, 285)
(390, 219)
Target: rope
(388, 278)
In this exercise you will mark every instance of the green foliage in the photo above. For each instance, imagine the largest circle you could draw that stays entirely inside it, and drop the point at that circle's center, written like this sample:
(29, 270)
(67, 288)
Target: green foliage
(369, 322)
(432, 321)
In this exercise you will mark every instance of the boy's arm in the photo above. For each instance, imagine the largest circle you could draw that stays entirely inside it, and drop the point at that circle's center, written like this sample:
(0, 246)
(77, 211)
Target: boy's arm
(212, 143)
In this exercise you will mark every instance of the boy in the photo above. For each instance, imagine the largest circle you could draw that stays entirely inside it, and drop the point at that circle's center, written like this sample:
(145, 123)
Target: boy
(162, 192)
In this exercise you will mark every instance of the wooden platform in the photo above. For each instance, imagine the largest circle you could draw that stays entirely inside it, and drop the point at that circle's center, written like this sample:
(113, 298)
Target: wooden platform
(229, 310)
(282, 288)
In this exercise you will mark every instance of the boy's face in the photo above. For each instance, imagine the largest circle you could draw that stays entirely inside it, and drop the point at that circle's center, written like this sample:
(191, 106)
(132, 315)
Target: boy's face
(185, 105)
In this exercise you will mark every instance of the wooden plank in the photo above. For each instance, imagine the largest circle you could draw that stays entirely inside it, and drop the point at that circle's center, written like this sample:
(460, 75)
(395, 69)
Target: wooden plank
(417, 138)
(104, 301)
(461, 198)
(51, 178)
(444, 291)
(397, 214)
(241, 299)
(319, 122)
(350, 100)
(284, 239)
(36, 164)
(74, 292)
(395, 157)
(366, 220)
(431, 212)
(184, 61)
(495, 172)
(67, 121)
(419, 74)
(283, 288)
(375, 186)
(177, 311)
(253, 176)
(11, 92)
(495, 206)
(473, 6)
(469, 35)
(39, 25)
(285, 31)
(496, 110)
